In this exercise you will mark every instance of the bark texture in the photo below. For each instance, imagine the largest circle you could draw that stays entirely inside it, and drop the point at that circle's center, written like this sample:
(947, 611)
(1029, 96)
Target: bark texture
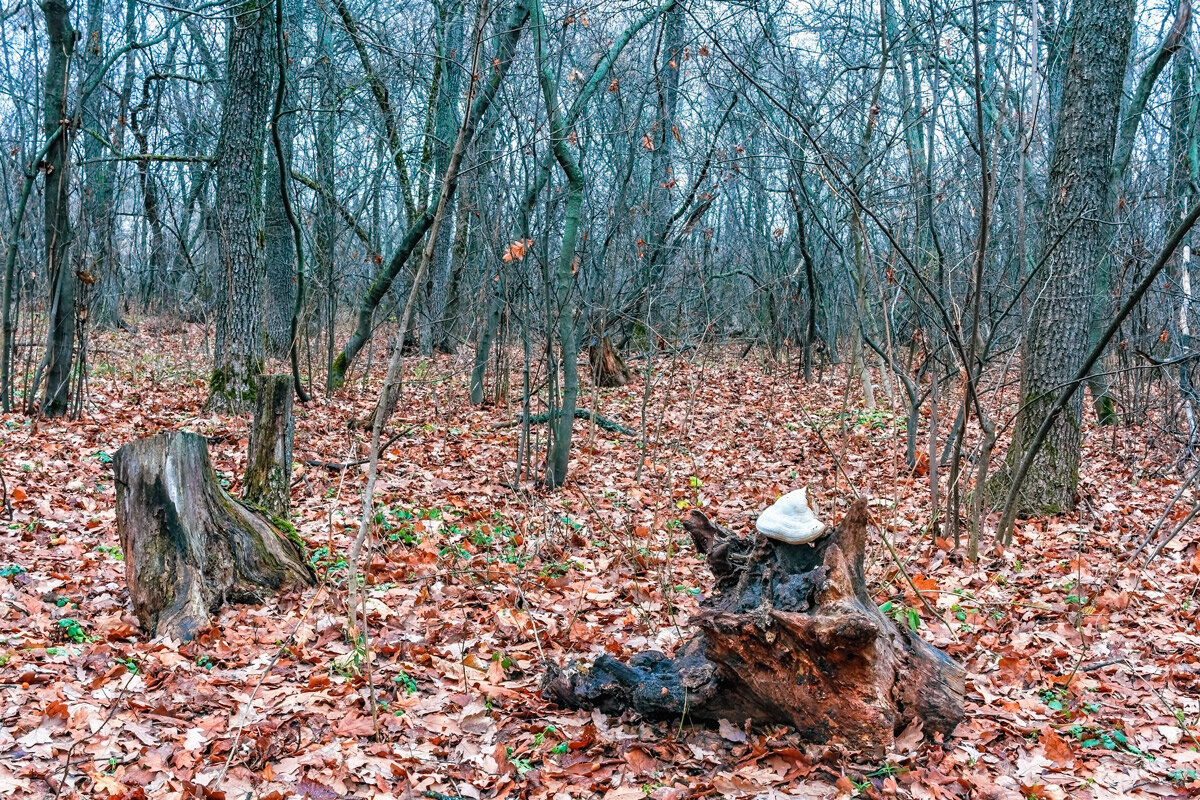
(280, 249)
(238, 212)
(269, 466)
(189, 546)
(608, 368)
(1056, 343)
(791, 636)
(59, 128)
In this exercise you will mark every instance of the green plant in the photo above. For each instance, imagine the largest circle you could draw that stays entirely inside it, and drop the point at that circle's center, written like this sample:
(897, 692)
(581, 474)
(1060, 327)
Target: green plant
(111, 551)
(1054, 698)
(902, 614)
(405, 681)
(74, 630)
(11, 570)
(347, 665)
(556, 569)
(1181, 775)
(203, 660)
(1092, 736)
(521, 765)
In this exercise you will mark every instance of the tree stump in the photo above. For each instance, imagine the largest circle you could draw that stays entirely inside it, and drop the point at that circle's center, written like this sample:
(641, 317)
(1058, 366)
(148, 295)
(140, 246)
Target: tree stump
(608, 368)
(791, 636)
(189, 546)
(268, 479)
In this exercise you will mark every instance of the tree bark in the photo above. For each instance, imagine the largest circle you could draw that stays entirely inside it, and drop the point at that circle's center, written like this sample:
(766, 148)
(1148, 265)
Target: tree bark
(189, 547)
(238, 352)
(97, 203)
(269, 466)
(1056, 342)
(436, 290)
(608, 368)
(791, 635)
(60, 340)
(280, 249)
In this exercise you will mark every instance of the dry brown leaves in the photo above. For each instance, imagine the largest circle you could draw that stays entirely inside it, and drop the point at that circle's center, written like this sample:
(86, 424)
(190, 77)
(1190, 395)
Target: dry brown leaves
(472, 584)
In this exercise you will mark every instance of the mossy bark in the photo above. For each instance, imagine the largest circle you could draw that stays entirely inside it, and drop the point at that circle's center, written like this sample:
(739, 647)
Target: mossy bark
(268, 477)
(189, 546)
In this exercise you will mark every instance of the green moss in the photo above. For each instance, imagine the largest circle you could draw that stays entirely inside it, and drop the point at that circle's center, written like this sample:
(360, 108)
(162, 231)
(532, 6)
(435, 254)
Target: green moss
(289, 530)
(339, 370)
(219, 385)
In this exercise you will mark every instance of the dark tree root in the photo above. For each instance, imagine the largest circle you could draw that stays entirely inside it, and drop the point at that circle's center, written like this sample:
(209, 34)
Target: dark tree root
(790, 636)
(189, 546)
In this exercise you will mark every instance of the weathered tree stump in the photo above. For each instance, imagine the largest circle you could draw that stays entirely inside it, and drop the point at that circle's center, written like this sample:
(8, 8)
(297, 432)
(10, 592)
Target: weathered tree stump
(791, 636)
(608, 368)
(189, 546)
(268, 478)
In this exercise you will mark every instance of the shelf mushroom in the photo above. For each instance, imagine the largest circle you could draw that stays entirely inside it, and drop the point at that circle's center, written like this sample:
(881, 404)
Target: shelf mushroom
(791, 520)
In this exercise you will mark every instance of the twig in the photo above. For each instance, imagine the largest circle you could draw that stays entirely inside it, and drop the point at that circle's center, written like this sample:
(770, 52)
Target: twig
(66, 771)
(5, 506)
(341, 465)
(253, 695)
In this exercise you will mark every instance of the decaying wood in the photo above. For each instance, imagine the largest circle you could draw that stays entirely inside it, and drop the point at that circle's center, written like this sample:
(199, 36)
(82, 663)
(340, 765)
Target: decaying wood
(268, 478)
(791, 635)
(608, 368)
(189, 546)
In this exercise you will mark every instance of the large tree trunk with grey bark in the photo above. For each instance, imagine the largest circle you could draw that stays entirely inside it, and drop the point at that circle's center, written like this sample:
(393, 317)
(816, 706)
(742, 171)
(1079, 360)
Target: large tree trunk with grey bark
(1074, 243)
(791, 635)
(59, 129)
(189, 546)
(241, 268)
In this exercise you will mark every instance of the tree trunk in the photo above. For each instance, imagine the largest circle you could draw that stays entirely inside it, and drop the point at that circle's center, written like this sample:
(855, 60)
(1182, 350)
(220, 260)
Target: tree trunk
(608, 368)
(436, 291)
(1056, 342)
(563, 287)
(97, 204)
(280, 249)
(269, 466)
(60, 340)
(791, 635)
(505, 51)
(238, 352)
(325, 229)
(189, 547)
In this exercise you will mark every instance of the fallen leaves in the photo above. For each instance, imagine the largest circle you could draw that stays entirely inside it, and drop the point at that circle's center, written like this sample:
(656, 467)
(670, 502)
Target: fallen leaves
(471, 585)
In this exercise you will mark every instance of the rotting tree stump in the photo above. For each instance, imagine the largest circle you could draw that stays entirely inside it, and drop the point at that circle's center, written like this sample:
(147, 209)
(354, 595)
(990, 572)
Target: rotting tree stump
(791, 635)
(268, 479)
(189, 546)
(608, 368)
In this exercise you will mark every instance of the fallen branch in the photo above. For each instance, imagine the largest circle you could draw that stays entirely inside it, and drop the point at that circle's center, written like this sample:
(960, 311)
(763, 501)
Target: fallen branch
(338, 466)
(580, 413)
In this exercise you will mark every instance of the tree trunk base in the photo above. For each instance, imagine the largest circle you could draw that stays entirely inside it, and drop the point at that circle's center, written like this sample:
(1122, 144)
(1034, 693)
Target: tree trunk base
(189, 546)
(790, 636)
(608, 368)
(268, 478)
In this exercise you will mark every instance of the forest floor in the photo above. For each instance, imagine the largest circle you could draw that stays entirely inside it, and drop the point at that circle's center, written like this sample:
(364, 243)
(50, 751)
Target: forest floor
(1083, 676)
